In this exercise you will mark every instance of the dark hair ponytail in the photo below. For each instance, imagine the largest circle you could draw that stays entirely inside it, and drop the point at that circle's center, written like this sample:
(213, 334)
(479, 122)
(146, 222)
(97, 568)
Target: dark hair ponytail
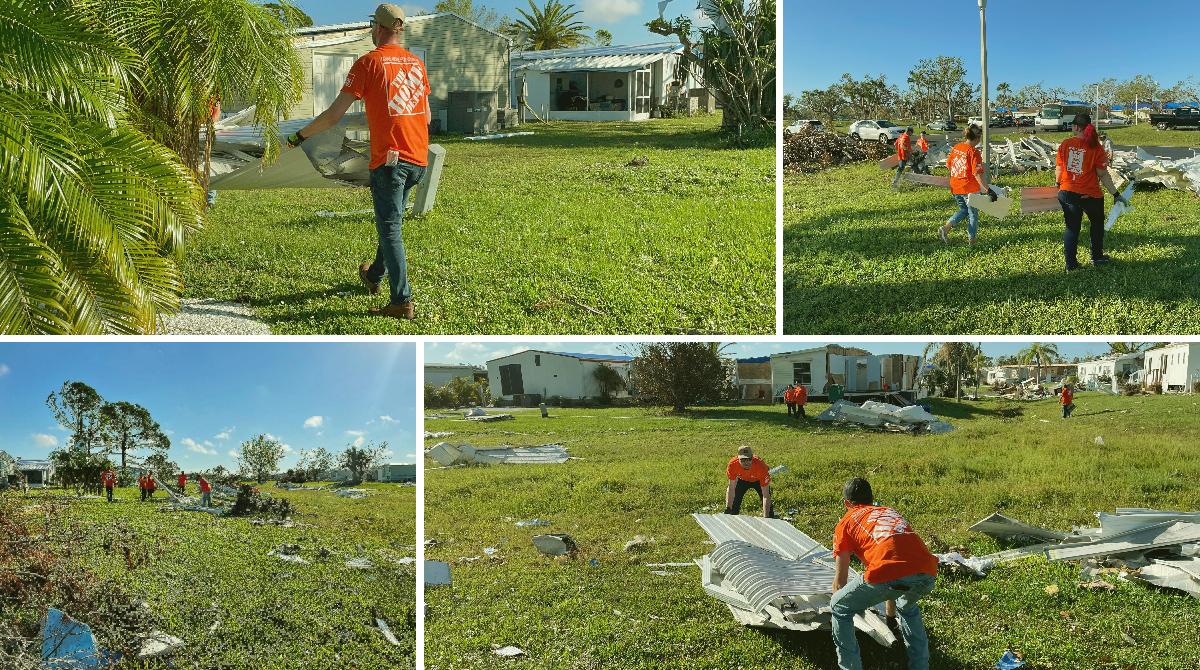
(972, 133)
(1090, 137)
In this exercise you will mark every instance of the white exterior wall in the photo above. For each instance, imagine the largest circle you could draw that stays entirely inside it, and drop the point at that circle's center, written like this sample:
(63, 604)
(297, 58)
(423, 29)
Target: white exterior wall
(1176, 366)
(440, 375)
(782, 370)
(557, 376)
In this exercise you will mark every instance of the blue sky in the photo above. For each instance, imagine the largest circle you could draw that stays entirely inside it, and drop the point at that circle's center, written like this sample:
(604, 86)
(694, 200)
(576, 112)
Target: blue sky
(478, 353)
(625, 19)
(1029, 41)
(211, 397)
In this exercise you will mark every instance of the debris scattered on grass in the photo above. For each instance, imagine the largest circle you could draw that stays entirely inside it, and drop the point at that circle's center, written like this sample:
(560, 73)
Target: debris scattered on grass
(532, 523)
(638, 543)
(159, 644)
(555, 544)
(1052, 589)
(437, 573)
(439, 435)
(811, 150)
(1010, 661)
(360, 563)
(447, 454)
(640, 161)
(885, 416)
(387, 631)
(508, 652)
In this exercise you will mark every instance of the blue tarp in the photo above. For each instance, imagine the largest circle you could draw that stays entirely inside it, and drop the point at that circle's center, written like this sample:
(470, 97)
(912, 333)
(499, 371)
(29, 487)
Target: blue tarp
(70, 645)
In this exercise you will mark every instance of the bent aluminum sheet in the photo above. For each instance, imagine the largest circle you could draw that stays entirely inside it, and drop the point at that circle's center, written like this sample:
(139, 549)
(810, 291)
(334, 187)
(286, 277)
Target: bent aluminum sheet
(1177, 575)
(1153, 537)
(999, 526)
(774, 535)
(764, 577)
(1116, 524)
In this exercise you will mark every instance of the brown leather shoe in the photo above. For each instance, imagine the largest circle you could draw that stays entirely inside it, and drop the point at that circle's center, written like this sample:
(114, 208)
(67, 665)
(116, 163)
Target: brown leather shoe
(405, 311)
(372, 286)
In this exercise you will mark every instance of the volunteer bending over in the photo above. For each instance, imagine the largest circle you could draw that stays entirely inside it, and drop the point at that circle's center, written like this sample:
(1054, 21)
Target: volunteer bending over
(747, 471)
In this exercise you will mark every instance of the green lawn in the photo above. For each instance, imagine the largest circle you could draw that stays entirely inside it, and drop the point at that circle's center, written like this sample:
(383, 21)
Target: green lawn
(644, 473)
(551, 233)
(861, 258)
(1142, 134)
(209, 581)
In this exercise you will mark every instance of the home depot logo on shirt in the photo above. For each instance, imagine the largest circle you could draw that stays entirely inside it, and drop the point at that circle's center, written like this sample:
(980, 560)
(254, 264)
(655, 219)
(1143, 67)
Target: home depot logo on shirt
(958, 164)
(885, 522)
(406, 91)
(1075, 160)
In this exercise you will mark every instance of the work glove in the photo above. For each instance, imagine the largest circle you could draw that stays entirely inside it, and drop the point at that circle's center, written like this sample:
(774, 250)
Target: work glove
(991, 195)
(295, 139)
(1121, 199)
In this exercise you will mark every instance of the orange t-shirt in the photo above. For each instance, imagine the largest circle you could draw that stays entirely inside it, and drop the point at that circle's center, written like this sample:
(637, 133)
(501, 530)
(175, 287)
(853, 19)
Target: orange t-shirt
(885, 543)
(965, 165)
(394, 87)
(801, 395)
(923, 144)
(758, 471)
(205, 487)
(1077, 164)
(789, 395)
(1067, 396)
(903, 145)
(108, 478)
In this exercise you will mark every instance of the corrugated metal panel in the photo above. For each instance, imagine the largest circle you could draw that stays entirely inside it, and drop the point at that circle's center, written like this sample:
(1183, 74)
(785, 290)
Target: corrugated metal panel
(762, 577)
(774, 535)
(548, 453)
(624, 63)
(1143, 540)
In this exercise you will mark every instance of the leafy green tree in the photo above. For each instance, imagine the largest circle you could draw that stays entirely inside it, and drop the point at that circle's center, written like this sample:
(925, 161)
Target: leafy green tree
(361, 460)
(79, 408)
(957, 359)
(552, 26)
(316, 462)
(93, 211)
(128, 427)
(942, 78)
(603, 38)
(260, 457)
(679, 374)
(609, 380)
(1039, 354)
(160, 467)
(289, 14)
(1128, 347)
(479, 14)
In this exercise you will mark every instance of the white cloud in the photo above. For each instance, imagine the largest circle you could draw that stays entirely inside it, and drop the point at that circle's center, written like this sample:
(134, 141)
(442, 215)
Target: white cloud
(387, 419)
(45, 441)
(610, 11)
(359, 441)
(234, 454)
(4, 369)
(356, 433)
(314, 422)
(224, 434)
(206, 448)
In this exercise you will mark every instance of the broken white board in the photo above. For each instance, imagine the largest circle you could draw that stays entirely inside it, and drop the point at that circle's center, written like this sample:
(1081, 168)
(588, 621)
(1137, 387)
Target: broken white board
(1119, 207)
(999, 209)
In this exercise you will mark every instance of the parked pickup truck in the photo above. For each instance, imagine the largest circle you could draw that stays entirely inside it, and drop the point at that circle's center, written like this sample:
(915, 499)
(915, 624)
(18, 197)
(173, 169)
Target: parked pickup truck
(1184, 117)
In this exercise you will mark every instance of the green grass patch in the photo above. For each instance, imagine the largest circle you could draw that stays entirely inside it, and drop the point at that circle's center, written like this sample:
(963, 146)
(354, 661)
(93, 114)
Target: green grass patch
(210, 581)
(862, 258)
(645, 473)
(551, 233)
(1140, 135)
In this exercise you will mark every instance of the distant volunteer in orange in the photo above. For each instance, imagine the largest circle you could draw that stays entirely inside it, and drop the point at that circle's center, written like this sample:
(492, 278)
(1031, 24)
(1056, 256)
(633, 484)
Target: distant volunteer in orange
(903, 152)
(923, 143)
(1068, 401)
(789, 397)
(394, 87)
(1081, 166)
(897, 569)
(745, 472)
(108, 479)
(966, 177)
(801, 400)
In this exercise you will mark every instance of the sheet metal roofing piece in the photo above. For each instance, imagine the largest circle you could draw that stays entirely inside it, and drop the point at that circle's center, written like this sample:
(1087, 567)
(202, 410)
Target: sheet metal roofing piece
(1153, 537)
(774, 535)
(1168, 575)
(999, 526)
(1116, 524)
(763, 577)
(447, 454)
(437, 573)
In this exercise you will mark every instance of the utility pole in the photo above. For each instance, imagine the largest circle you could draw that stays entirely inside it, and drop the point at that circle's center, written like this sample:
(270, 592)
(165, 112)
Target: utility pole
(986, 116)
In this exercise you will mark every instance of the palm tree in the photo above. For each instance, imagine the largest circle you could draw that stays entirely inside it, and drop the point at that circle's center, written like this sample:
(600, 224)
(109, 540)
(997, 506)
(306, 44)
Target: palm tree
(551, 27)
(1039, 354)
(92, 210)
(978, 364)
(99, 101)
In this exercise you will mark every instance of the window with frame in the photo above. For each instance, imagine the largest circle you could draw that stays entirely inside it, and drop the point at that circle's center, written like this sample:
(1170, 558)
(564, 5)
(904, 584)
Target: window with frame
(802, 373)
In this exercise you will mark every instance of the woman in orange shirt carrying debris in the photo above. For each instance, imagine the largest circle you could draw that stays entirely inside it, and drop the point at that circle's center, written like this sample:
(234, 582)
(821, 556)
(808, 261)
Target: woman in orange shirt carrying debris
(903, 152)
(747, 471)
(1082, 166)
(966, 177)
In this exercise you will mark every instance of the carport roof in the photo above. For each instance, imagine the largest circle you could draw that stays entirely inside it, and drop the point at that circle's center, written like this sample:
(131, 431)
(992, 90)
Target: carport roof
(597, 59)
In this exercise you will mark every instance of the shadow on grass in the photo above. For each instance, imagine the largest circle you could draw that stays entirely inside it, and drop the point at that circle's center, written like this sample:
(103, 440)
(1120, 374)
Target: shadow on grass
(817, 648)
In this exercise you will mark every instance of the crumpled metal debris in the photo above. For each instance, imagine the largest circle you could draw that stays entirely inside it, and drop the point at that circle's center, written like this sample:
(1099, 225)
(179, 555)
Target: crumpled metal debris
(885, 416)
(555, 544)
(447, 454)
(159, 644)
(509, 651)
(974, 565)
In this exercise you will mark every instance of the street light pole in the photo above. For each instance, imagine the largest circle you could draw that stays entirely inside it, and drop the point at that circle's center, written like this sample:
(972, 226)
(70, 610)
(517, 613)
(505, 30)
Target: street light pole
(983, 60)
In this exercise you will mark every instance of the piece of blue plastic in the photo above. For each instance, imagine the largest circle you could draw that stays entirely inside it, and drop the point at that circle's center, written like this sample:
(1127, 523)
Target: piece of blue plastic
(1009, 661)
(70, 645)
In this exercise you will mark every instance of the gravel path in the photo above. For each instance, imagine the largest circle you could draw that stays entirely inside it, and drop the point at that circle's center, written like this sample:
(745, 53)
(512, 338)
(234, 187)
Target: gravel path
(213, 317)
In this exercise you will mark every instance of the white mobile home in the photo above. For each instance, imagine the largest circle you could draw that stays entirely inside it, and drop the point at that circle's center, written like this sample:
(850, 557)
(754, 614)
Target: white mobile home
(397, 473)
(1108, 370)
(855, 370)
(1175, 366)
(440, 374)
(532, 376)
(614, 83)
(38, 473)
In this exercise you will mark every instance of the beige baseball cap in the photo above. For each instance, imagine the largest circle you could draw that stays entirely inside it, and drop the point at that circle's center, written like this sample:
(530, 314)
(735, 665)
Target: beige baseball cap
(389, 16)
(745, 452)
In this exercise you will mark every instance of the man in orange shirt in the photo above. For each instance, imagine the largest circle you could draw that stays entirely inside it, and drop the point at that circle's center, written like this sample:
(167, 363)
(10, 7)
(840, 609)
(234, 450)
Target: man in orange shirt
(182, 481)
(108, 479)
(904, 152)
(1068, 401)
(898, 570)
(394, 87)
(151, 487)
(789, 397)
(801, 396)
(747, 471)
(1080, 168)
(205, 492)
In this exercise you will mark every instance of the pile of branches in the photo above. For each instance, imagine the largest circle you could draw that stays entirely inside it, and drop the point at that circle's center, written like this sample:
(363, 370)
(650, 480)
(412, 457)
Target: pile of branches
(39, 569)
(810, 150)
(251, 502)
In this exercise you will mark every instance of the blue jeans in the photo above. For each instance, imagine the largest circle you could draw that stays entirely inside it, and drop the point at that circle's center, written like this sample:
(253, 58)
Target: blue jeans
(390, 185)
(1067, 409)
(965, 212)
(857, 596)
(206, 499)
(1074, 206)
(900, 170)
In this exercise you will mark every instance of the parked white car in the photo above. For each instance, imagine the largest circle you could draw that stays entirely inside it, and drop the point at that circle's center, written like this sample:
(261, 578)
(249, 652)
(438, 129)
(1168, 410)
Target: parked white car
(877, 129)
(800, 124)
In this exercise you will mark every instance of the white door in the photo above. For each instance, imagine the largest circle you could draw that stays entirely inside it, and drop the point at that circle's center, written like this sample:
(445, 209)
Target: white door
(329, 75)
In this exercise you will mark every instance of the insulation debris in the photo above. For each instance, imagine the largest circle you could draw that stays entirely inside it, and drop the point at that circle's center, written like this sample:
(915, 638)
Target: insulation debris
(1152, 546)
(481, 415)
(440, 435)
(447, 454)
(885, 416)
(555, 544)
(771, 575)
